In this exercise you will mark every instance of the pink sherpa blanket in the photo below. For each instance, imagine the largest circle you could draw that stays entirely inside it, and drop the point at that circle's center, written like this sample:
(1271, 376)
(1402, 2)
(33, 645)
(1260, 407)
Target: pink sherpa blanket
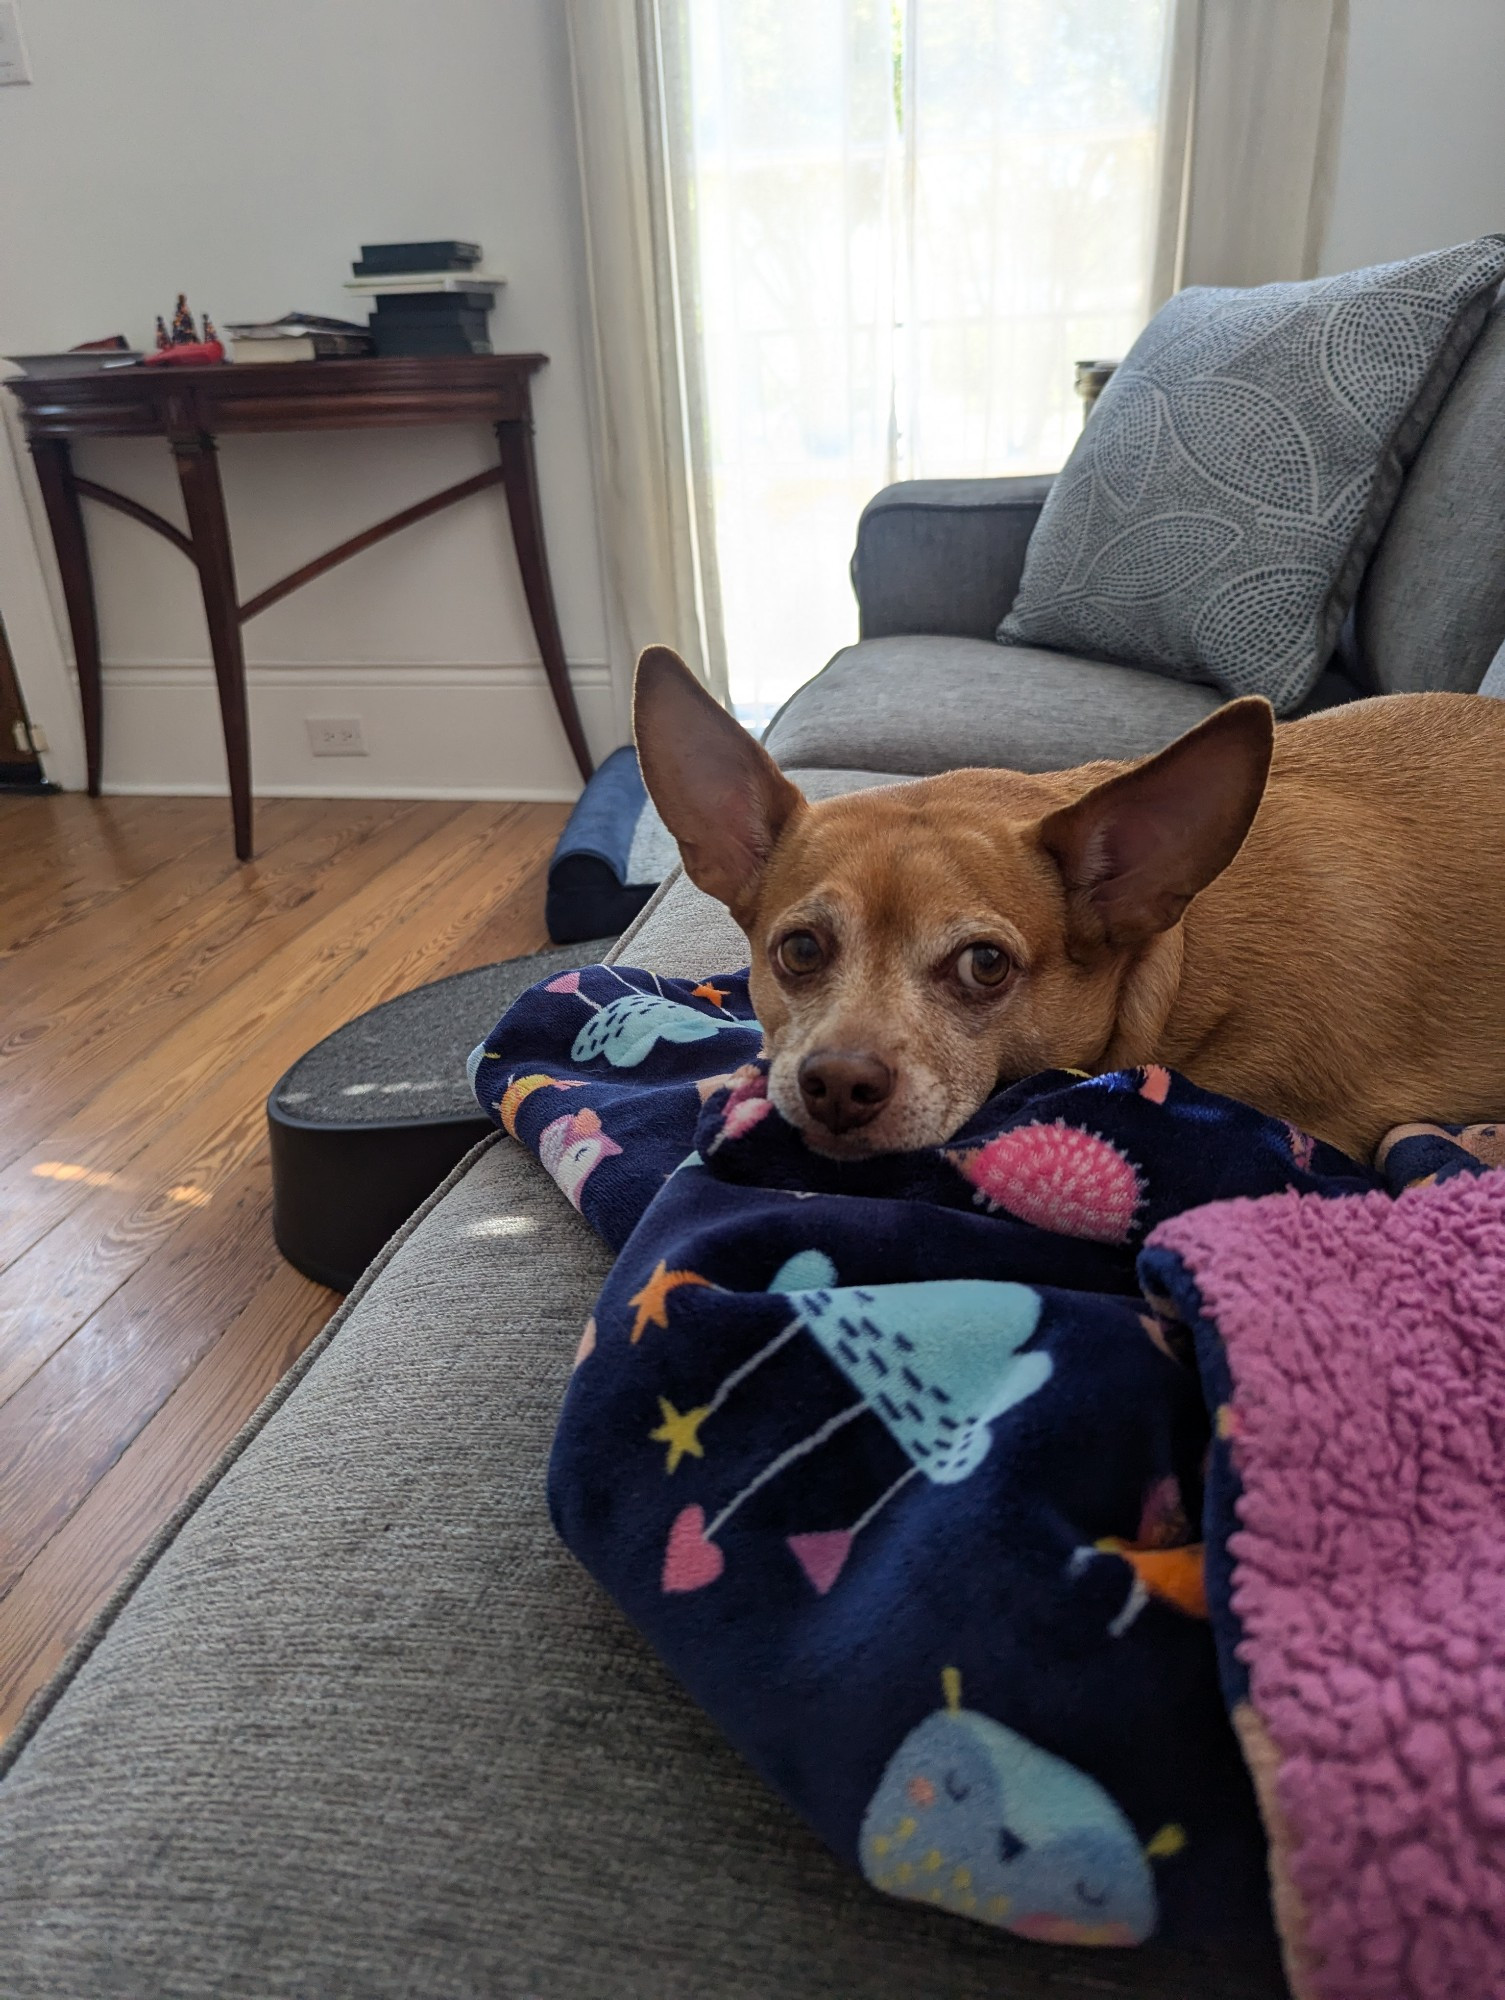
(1354, 1354)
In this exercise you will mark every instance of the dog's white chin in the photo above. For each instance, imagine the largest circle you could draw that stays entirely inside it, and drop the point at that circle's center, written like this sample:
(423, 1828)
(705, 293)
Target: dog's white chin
(868, 1142)
(858, 1145)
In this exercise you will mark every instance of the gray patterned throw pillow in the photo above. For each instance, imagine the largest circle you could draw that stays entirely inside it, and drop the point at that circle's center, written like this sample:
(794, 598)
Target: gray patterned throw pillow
(1215, 518)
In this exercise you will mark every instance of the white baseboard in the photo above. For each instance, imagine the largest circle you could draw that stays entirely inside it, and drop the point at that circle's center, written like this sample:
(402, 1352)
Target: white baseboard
(508, 795)
(367, 673)
(432, 732)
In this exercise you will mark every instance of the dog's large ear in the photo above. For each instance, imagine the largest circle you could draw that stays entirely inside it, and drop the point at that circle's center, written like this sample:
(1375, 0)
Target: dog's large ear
(1136, 849)
(717, 790)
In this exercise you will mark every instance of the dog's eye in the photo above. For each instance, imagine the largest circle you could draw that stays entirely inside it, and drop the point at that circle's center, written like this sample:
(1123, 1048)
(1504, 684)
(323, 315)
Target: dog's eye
(801, 951)
(983, 965)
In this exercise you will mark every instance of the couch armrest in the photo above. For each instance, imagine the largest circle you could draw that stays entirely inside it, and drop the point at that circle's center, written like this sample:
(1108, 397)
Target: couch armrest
(944, 555)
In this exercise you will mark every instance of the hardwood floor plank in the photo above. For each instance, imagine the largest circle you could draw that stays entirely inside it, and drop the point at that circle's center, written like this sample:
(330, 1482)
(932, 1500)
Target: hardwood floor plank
(75, 1416)
(113, 1372)
(376, 944)
(56, 964)
(145, 1310)
(514, 927)
(111, 1221)
(68, 1581)
(31, 830)
(51, 1290)
(62, 824)
(97, 874)
(92, 1033)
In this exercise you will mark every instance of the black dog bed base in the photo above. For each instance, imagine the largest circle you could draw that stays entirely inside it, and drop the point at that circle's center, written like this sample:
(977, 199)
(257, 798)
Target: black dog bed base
(364, 1126)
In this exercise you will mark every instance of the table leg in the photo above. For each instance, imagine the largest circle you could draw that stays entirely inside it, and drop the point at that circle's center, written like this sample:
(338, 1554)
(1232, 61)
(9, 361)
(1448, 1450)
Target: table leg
(204, 499)
(54, 463)
(514, 436)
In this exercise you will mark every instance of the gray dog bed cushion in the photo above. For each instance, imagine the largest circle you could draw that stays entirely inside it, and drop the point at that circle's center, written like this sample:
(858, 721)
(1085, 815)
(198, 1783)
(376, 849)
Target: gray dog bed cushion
(367, 1124)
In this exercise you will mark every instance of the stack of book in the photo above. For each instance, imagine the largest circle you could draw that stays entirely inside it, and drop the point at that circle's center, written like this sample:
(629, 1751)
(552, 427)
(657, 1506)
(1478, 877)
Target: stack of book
(430, 298)
(298, 337)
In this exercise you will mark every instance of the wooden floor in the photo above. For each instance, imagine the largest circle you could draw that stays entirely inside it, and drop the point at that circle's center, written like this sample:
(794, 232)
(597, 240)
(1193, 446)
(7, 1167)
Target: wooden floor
(151, 992)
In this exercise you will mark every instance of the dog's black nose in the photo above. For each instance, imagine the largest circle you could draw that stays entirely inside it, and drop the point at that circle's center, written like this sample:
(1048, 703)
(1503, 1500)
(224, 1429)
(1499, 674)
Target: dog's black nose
(842, 1090)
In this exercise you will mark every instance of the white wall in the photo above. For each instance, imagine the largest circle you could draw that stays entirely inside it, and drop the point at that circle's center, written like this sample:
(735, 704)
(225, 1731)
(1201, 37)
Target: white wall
(1421, 159)
(243, 152)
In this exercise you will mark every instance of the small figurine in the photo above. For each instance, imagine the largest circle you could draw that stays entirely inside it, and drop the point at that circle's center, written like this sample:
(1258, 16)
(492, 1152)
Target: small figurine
(184, 346)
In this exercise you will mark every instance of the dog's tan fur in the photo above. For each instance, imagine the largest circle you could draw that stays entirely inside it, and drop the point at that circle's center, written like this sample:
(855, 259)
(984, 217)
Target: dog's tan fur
(1328, 945)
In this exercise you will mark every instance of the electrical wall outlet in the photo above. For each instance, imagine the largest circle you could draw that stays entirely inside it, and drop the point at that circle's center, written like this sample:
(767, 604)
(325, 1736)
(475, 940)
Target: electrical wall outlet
(30, 741)
(336, 736)
(14, 65)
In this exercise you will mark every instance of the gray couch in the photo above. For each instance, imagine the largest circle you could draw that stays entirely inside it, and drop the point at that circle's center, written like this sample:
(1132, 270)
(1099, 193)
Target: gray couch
(357, 1725)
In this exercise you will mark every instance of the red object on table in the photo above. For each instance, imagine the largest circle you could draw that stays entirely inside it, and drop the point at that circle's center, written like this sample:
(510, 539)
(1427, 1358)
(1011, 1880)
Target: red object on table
(188, 354)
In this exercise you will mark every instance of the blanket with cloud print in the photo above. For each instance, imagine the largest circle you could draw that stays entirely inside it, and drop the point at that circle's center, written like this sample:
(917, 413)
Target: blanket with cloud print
(923, 1476)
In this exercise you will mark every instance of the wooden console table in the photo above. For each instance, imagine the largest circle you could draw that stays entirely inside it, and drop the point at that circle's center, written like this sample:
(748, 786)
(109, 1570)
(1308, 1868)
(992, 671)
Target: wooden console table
(190, 407)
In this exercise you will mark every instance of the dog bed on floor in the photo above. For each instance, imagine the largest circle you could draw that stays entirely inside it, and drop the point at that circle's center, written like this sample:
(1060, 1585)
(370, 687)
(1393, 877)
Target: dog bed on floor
(612, 855)
(365, 1125)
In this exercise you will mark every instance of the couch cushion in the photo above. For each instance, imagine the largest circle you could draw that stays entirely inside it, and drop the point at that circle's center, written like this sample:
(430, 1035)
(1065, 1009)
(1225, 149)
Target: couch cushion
(1215, 518)
(921, 705)
(1431, 612)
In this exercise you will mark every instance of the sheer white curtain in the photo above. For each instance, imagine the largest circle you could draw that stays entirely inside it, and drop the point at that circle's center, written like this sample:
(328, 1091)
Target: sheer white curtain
(911, 218)
(627, 62)
(841, 242)
(1249, 140)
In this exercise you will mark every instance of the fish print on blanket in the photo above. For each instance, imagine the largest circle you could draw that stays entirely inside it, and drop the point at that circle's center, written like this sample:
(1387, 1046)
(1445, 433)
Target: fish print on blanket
(628, 1027)
(972, 1817)
(843, 1434)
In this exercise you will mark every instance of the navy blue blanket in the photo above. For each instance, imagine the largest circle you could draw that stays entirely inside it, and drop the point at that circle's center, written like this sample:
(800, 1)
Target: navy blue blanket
(895, 1464)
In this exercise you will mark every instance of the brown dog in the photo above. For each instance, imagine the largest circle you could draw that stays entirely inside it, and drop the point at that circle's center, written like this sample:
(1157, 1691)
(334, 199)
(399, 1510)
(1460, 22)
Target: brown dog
(1310, 918)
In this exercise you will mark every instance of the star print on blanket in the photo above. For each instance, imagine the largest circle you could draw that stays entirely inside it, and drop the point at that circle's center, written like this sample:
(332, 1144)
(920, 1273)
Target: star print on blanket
(894, 1463)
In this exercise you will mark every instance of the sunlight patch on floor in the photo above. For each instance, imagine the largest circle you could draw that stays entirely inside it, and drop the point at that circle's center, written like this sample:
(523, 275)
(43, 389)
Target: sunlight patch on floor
(65, 1170)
